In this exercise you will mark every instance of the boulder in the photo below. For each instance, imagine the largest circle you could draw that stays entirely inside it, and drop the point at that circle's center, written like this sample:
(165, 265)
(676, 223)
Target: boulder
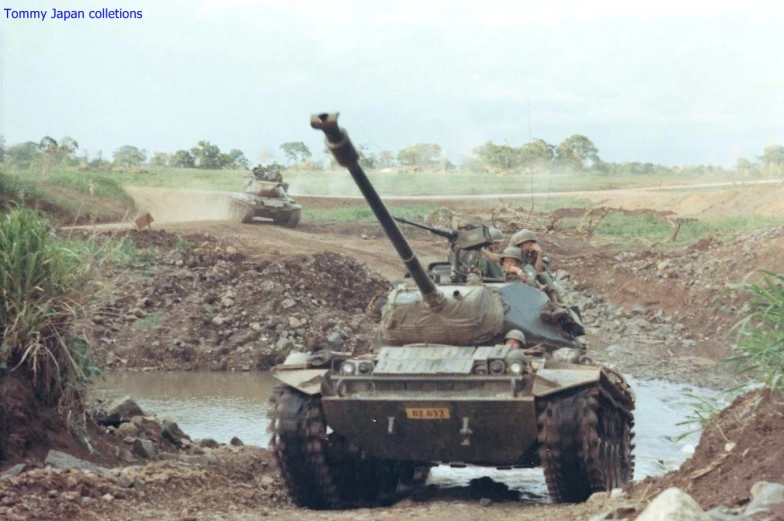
(208, 443)
(765, 495)
(61, 460)
(118, 411)
(673, 505)
(14, 471)
(236, 442)
(144, 448)
(172, 432)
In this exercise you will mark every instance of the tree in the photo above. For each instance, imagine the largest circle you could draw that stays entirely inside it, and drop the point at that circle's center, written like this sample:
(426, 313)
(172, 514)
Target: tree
(129, 156)
(207, 155)
(502, 157)
(367, 159)
(237, 159)
(537, 151)
(160, 159)
(183, 159)
(22, 155)
(576, 150)
(425, 155)
(2, 149)
(295, 151)
(386, 159)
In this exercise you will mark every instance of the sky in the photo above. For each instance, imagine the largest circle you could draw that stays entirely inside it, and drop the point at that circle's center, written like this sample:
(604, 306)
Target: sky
(669, 82)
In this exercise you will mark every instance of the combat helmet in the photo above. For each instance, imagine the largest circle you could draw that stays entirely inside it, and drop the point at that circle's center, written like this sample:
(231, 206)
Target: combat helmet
(522, 236)
(496, 235)
(515, 334)
(512, 253)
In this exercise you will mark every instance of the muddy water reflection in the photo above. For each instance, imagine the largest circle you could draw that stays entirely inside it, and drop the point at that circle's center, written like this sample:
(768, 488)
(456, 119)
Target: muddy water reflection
(222, 405)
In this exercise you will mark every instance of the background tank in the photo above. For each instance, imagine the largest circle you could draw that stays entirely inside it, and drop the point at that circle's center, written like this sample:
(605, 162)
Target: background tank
(443, 389)
(265, 195)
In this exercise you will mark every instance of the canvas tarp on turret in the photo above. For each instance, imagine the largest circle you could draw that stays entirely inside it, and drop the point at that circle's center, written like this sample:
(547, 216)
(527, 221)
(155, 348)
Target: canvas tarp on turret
(470, 315)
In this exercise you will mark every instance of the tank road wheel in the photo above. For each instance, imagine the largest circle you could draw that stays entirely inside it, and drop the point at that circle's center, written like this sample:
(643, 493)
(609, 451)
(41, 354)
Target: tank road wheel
(290, 220)
(241, 212)
(324, 471)
(585, 444)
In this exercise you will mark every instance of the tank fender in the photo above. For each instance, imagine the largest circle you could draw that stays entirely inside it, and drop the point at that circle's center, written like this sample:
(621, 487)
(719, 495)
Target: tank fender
(552, 381)
(307, 381)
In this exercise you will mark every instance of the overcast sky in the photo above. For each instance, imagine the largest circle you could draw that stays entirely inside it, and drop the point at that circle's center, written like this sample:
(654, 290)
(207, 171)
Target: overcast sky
(668, 82)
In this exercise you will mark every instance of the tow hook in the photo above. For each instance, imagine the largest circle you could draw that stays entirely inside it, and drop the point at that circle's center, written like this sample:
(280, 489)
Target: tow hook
(466, 432)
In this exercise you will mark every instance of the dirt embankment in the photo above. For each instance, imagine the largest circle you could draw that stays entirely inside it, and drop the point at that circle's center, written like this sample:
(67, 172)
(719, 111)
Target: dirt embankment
(205, 306)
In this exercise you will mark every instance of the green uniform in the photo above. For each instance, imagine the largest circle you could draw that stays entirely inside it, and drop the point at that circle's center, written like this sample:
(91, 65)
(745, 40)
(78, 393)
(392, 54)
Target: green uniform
(473, 259)
(544, 276)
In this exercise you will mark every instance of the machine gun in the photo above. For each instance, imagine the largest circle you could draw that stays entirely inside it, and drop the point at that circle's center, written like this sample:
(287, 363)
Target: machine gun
(468, 239)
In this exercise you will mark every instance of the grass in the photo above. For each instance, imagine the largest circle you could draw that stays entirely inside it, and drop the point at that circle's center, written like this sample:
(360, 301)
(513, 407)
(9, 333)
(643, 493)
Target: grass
(760, 335)
(43, 281)
(149, 321)
(648, 227)
(363, 213)
(338, 182)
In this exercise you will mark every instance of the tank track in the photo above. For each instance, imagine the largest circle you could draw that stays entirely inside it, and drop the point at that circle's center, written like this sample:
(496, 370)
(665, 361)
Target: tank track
(241, 211)
(586, 442)
(324, 471)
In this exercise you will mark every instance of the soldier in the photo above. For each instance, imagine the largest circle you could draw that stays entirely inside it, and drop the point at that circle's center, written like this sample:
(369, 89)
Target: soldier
(512, 264)
(534, 256)
(515, 339)
(474, 262)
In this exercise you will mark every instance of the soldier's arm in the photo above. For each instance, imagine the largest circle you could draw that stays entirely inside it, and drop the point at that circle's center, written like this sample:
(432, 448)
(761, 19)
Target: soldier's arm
(490, 255)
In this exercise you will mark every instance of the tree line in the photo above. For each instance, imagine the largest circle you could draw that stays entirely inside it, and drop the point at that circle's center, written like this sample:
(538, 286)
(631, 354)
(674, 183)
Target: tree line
(576, 153)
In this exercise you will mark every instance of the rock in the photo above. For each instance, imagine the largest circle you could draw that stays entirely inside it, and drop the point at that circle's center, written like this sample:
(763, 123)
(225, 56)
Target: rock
(144, 448)
(663, 265)
(266, 481)
(54, 494)
(673, 505)
(208, 443)
(294, 322)
(227, 302)
(638, 310)
(172, 432)
(723, 513)
(285, 344)
(108, 498)
(14, 471)
(763, 496)
(236, 442)
(127, 429)
(119, 411)
(485, 502)
(125, 480)
(335, 340)
(288, 303)
(219, 320)
(256, 326)
(61, 460)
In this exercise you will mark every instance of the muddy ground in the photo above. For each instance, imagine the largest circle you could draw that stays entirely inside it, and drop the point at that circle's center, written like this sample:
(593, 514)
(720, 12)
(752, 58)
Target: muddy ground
(225, 296)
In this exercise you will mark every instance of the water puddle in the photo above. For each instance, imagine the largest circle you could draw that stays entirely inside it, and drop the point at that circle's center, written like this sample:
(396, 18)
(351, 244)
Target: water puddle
(223, 405)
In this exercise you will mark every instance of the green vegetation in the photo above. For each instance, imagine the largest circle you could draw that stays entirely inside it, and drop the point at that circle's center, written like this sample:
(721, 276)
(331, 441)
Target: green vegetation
(652, 229)
(360, 213)
(43, 281)
(149, 321)
(760, 335)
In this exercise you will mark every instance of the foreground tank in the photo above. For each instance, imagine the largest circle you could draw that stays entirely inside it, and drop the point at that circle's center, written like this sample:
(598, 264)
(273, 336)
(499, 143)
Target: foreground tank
(265, 195)
(443, 389)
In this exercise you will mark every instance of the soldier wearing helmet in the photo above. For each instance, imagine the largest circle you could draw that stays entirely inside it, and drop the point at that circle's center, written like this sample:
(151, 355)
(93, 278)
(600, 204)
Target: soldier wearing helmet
(512, 264)
(532, 252)
(515, 338)
(474, 262)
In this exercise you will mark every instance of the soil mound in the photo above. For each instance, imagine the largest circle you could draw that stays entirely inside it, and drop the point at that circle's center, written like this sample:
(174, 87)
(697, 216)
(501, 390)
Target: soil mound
(741, 446)
(201, 305)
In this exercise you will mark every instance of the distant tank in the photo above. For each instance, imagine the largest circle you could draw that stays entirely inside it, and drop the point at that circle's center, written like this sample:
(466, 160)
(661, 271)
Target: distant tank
(444, 388)
(265, 195)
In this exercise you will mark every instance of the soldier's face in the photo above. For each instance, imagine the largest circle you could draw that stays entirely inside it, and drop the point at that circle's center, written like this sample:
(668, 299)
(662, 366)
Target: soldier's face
(510, 262)
(514, 344)
(495, 247)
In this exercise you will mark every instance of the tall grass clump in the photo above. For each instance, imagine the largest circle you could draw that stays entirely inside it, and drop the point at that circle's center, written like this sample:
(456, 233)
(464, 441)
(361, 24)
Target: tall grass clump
(760, 335)
(42, 283)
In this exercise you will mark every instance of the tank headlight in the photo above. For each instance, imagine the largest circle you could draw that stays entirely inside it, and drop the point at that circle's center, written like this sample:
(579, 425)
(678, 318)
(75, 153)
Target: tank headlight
(365, 367)
(497, 367)
(480, 369)
(516, 368)
(347, 368)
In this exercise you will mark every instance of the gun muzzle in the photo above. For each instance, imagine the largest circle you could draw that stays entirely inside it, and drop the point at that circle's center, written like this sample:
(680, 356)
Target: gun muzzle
(337, 138)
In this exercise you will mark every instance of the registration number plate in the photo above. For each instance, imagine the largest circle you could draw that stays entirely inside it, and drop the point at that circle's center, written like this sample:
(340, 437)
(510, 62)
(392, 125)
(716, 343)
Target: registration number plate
(427, 413)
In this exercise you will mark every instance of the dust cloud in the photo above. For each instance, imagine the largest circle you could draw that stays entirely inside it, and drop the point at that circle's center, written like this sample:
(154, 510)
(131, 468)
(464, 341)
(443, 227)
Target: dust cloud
(171, 205)
(340, 184)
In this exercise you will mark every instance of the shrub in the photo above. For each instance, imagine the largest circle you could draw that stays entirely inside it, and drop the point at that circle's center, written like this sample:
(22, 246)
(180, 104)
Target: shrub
(42, 280)
(760, 335)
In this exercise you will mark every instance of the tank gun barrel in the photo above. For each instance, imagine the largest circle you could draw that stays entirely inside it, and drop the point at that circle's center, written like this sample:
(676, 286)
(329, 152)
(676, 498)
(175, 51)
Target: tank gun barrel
(346, 155)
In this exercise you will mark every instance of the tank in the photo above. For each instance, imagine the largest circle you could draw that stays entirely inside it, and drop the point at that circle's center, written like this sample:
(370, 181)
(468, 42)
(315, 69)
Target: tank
(265, 195)
(443, 388)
